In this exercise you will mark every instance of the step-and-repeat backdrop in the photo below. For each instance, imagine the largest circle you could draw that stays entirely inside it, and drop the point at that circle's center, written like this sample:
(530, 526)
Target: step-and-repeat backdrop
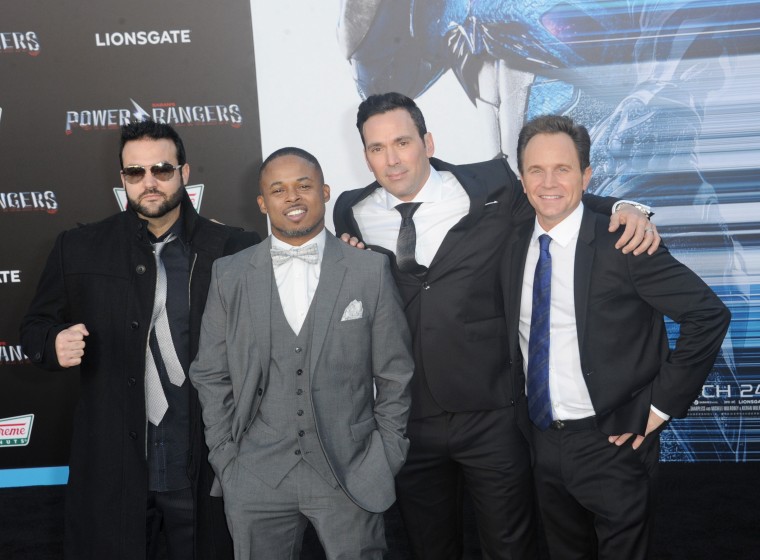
(70, 75)
(668, 90)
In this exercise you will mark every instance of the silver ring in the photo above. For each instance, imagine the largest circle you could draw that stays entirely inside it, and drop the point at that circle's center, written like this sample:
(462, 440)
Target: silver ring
(648, 230)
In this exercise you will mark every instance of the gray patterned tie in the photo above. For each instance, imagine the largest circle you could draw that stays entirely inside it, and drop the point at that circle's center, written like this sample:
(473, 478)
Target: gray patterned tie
(157, 404)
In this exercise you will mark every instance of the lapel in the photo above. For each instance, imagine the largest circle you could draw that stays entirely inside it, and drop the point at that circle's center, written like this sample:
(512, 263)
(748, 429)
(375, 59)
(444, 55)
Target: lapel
(584, 259)
(518, 251)
(477, 194)
(331, 276)
(258, 281)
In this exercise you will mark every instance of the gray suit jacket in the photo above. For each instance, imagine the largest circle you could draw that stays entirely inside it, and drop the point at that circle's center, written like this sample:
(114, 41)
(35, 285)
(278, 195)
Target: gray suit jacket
(362, 433)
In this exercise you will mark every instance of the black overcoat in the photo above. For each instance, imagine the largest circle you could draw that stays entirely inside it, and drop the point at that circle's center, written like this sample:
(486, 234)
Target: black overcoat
(103, 275)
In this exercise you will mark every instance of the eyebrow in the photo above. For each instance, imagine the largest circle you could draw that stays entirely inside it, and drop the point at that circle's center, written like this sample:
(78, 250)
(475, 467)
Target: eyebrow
(396, 139)
(304, 178)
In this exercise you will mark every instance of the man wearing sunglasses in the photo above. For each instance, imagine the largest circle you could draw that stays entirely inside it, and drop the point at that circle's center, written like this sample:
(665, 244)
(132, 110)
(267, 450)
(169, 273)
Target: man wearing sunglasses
(122, 299)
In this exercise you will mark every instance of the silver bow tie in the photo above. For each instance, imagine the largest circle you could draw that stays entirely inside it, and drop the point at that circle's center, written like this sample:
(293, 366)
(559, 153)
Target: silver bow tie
(308, 253)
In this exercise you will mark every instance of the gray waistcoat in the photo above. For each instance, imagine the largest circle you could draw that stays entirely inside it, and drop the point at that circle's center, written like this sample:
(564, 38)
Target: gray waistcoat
(284, 431)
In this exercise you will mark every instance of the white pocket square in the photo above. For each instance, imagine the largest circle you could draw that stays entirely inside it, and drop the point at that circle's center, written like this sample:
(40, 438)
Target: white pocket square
(353, 311)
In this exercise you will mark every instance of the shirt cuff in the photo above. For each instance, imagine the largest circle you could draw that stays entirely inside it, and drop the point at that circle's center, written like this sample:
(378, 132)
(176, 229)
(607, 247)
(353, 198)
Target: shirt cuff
(659, 413)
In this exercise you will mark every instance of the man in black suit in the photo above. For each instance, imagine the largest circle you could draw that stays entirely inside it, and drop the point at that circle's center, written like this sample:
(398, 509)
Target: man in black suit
(587, 335)
(462, 424)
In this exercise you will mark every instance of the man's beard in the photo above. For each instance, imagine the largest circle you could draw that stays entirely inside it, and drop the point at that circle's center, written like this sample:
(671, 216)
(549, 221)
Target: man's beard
(295, 233)
(166, 206)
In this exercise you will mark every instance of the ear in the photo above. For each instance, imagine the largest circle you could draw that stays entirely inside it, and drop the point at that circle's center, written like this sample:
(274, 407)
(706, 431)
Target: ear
(185, 173)
(262, 204)
(587, 177)
(429, 144)
(325, 192)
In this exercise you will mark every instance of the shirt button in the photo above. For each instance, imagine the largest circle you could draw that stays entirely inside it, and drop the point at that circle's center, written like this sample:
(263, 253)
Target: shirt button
(298, 349)
(299, 372)
(298, 451)
(299, 392)
(140, 269)
(300, 433)
(300, 413)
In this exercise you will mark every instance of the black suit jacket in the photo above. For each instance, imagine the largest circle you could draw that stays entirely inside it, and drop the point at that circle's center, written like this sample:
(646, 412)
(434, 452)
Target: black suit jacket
(455, 310)
(620, 301)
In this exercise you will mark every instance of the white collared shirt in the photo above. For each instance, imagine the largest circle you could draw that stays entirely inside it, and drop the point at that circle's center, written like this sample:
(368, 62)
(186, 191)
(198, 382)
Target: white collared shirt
(445, 203)
(569, 394)
(297, 282)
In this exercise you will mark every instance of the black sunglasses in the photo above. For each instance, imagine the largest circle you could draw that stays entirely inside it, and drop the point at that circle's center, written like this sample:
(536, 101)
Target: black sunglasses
(162, 171)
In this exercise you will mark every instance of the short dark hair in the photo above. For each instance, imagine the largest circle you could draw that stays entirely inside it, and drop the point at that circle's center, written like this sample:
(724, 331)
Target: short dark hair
(137, 130)
(385, 102)
(555, 124)
(292, 151)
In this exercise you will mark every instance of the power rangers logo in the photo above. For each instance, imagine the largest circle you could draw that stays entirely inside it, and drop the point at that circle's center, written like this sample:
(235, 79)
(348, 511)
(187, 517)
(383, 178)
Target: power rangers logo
(169, 113)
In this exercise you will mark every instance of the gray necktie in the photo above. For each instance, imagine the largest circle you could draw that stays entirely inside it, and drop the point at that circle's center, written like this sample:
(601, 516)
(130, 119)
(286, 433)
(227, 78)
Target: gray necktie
(406, 244)
(157, 404)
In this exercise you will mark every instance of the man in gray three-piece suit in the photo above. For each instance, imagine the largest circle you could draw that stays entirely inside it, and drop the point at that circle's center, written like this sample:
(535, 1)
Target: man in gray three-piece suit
(303, 375)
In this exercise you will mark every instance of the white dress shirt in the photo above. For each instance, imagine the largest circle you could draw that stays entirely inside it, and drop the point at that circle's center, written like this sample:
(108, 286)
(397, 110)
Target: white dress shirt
(445, 203)
(569, 396)
(297, 282)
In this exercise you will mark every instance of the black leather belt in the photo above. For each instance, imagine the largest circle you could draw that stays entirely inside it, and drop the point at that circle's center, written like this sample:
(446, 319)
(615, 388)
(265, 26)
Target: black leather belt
(588, 423)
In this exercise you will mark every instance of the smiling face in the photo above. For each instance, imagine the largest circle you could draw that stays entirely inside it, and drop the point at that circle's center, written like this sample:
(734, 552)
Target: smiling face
(152, 199)
(552, 177)
(396, 153)
(293, 195)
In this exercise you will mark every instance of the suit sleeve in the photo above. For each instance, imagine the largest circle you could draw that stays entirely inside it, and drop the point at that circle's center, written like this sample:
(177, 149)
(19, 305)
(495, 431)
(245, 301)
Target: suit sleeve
(677, 292)
(392, 367)
(342, 215)
(210, 376)
(48, 313)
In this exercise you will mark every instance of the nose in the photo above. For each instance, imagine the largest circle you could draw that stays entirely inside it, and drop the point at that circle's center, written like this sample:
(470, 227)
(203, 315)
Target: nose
(293, 194)
(391, 157)
(149, 180)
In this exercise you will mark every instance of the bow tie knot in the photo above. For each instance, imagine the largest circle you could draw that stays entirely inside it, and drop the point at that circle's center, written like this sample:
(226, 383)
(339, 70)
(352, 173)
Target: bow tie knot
(308, 253)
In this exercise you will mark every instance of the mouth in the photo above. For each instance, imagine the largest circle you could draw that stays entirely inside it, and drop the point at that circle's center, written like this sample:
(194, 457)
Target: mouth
(549, 197)
(395, 176)
(150, 196)
(295, 213)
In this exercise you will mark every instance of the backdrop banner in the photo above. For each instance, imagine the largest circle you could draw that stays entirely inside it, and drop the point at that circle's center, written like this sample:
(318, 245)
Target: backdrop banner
(71, 75)
(667, 89)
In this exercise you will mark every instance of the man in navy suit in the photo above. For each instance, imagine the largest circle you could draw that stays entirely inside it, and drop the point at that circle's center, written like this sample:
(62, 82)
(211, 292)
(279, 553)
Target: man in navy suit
(587, 339)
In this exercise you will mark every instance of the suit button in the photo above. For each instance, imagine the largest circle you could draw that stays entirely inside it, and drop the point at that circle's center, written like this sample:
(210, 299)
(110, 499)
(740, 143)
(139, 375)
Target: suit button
(140, 269)
(299, 392)
(260, 391)
(38, 357)
(300, 413)
(131, 381)
(135, 325)
(298, 349)
(425, 286)
(300, 433)
(299, 372)
(133, 435)
(298, 451)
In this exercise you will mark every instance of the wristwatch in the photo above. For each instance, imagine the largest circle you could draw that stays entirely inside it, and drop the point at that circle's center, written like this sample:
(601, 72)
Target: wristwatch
(643, 208)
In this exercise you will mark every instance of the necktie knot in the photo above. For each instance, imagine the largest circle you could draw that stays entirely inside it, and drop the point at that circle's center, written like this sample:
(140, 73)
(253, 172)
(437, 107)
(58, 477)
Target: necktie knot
(407, 210)
(544, 241)
(307, 253)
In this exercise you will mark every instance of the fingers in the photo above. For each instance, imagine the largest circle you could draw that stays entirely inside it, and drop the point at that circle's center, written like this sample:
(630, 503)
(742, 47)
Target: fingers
(619, 440)
(639, 235)
(637, 442)
(69, 345)
(655, 235)
(353, 241)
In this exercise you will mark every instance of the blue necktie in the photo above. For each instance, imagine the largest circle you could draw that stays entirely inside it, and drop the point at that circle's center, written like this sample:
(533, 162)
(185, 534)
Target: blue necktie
(539, 402)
